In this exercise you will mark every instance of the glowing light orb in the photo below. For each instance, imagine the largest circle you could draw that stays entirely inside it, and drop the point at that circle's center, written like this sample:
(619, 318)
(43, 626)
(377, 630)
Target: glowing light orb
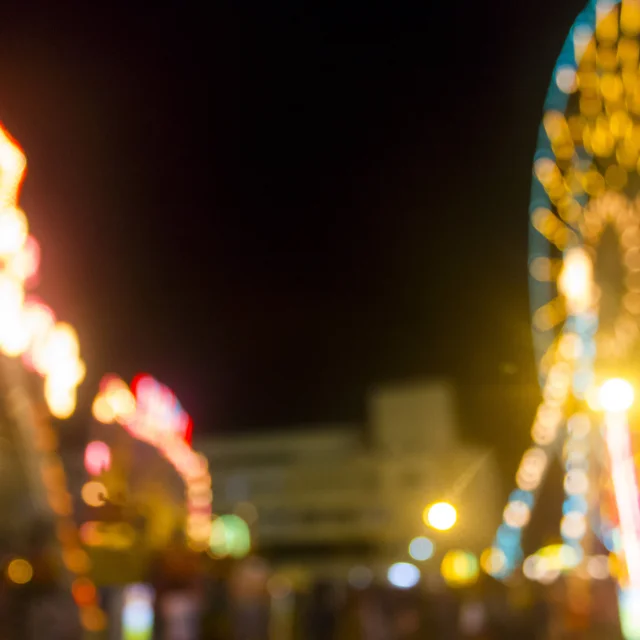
(19, 571)
(94, 494)
(421, 548)
(97, 457)
(493, 561)
(83, 591)
(137, 612)
(459, 568)
(403, 575)
(441, 516)
(230, 536)
(576, 278)
(616, 395)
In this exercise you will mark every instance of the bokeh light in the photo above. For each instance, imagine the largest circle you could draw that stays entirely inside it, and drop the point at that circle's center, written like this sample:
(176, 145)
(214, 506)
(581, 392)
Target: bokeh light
(230, 536)
(421, 548)
(94, 493)
(441, 516)
(459, 568)
(97, 458)
(19, 571)
(403, 575)
(616, 395)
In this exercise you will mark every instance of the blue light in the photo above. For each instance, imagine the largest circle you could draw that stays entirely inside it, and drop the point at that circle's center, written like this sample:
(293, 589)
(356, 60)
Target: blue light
(403, 575)
(507, 537)
(522, 496)
(575, 503)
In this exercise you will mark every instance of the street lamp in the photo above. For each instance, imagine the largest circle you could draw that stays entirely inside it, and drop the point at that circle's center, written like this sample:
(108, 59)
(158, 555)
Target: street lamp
(441, 516)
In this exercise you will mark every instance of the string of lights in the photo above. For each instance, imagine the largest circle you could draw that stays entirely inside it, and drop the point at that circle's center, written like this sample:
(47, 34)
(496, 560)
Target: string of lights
(150, 412)
(28, 329)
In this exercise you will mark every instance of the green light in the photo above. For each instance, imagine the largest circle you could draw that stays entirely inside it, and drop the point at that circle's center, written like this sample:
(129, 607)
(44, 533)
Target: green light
(230, 536)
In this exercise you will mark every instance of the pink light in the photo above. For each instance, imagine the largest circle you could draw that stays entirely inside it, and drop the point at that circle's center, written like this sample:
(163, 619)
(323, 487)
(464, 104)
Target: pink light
(160, 421)
(159, 411)
(97, 458)
(626, 491)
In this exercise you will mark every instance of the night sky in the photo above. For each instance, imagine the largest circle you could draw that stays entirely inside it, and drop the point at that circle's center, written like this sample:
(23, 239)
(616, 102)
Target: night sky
(278, 205)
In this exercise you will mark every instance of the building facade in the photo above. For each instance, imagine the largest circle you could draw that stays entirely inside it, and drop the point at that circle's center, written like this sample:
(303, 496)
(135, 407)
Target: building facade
(329, 499)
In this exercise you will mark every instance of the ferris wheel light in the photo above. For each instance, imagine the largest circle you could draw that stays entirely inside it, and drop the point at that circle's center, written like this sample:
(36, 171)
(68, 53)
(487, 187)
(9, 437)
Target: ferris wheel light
(616, 395)
(576, 279)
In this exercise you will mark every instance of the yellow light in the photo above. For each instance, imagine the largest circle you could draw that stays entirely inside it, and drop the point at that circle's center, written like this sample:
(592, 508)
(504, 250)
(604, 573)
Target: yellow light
(19, 571)
(60, 400)
(441, 516)
(14, 230)
(616, 395)
(459, 568)
(102, 410)
(576, 279)
(122, 401)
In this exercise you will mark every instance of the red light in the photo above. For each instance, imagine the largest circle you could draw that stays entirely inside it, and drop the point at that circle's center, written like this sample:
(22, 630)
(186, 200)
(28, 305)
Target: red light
(84, 591)
(159, 411)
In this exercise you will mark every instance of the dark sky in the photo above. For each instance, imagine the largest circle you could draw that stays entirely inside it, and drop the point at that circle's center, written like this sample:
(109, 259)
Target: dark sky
(277, 205)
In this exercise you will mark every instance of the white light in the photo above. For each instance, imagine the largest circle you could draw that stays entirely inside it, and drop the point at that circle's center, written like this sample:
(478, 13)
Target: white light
(421, 548)
(625, 488)
(566, 79)
(576, 280)
(517, 514)
(576, 482)
(549, 576)
(530, 567)
(573, 526)
(579, 425)
(598, 567)
(493, 561)
(403, 575)
(441, 516)
(616, 395)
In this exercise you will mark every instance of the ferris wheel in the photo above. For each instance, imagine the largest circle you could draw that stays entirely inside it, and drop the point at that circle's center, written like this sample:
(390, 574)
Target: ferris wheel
(584, 264)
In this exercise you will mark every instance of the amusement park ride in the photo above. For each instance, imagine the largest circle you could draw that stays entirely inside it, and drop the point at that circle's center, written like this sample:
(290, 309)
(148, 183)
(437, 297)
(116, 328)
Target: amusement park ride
(33, 342)
(585, 296)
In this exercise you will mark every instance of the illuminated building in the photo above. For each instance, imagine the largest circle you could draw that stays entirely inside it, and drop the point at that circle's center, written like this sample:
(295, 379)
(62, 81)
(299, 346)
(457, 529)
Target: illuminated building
(335, 499)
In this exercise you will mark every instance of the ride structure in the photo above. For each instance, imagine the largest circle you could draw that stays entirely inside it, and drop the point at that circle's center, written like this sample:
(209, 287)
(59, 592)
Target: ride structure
(33, 342)
(585, 303)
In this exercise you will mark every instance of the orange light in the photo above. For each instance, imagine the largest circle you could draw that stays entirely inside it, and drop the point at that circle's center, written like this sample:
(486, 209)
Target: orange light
(83, 591)
(93, 618)
(94, 493)
(19, 571)
(76, 560)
